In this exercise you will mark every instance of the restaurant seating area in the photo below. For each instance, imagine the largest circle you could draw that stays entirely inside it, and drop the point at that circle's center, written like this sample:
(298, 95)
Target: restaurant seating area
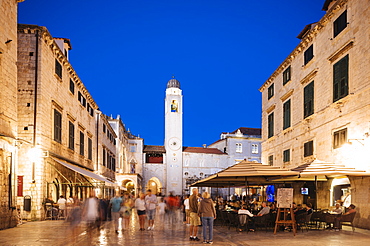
(318, 220)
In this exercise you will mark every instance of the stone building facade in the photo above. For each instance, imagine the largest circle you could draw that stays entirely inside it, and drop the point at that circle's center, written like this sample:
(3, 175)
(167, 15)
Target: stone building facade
(58, 124)
(315, 105)
(8, 112)
(242, 144)
(129, 151)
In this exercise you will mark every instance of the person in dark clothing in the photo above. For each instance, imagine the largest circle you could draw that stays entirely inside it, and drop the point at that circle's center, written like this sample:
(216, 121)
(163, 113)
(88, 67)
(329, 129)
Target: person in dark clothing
(194, 217)
(207, 212)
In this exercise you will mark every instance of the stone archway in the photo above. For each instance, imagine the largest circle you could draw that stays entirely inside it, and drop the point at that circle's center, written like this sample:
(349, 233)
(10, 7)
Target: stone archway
(130, 186)
(155, 185)
(340, 191)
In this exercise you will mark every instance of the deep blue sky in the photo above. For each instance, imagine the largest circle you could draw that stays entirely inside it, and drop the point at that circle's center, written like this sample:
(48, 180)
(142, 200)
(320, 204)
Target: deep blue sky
(221, 51)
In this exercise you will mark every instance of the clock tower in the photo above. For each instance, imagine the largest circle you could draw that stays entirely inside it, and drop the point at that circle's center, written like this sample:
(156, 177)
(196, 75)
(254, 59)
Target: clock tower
(173, 137)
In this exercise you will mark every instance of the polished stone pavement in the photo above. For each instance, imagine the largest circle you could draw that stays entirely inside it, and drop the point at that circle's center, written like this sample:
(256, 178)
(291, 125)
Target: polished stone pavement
(169, 233)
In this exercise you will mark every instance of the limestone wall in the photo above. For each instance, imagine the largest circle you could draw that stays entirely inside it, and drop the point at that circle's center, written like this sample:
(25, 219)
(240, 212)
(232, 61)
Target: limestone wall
(350, 112)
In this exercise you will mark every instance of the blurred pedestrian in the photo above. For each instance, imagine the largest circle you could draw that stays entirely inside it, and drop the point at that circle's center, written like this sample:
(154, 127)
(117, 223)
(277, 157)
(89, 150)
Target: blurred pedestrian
(62, 205)
(194, 217)
(151, 204)
(115, 205)
(126, 209)
(207, 212)
(140, 208)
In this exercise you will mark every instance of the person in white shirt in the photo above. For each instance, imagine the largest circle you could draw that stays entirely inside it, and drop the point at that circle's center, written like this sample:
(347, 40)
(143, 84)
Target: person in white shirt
(141, 210)
(187, 210)
(62, 206)
(151, 204)
(242, 214)
(337, 209)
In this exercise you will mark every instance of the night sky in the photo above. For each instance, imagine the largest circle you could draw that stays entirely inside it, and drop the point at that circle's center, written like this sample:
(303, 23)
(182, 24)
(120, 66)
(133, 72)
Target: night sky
(221, 51)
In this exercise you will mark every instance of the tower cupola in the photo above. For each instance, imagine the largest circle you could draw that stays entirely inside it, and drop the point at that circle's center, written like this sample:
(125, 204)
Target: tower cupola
(173, 83)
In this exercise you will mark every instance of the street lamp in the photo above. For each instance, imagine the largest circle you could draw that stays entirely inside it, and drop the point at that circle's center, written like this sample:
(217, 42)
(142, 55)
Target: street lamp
(34, 154)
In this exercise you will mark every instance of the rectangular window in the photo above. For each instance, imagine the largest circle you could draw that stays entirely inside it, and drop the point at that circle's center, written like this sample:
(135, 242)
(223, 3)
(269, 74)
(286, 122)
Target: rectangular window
(90, 109)
(270, 125)
(58, 69)
(254, 148)
(271, 160)
(81, 99)
(133, 148)
(71, 86)
(286, 76)
(340, 80)
(270, 91)
(57, 126)
(71, 136)
(286, 114)
(89, 148)
(104, 128)
(308, 104)
(113, 164)
(308, 149)
(104, 157)
(238, 148)
(340, 138)
(286, 155)
(82, 143)
(340, 23)
(308, 54)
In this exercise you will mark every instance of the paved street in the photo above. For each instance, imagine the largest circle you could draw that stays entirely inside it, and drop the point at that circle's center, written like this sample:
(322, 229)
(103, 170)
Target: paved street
(61, 233)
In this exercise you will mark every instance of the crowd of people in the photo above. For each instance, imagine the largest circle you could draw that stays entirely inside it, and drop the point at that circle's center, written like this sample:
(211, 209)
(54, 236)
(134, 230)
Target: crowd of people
(198, 209)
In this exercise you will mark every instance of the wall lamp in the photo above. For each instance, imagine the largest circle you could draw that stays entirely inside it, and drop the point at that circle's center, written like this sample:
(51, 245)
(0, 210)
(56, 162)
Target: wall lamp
(358, 140)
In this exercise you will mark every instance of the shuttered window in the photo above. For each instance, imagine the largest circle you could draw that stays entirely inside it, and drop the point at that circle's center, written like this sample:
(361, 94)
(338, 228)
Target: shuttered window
(340, 138)
(340, 23)
(71, 136)
(270, 91)
(82, 143)
(271, 125)
(57, 126)
(58, 69)
(286, 75)
(308, 55)
(286, 155)
(286, 114)
(308, 148)
(89, 148)
(340, 80)
(308, 104)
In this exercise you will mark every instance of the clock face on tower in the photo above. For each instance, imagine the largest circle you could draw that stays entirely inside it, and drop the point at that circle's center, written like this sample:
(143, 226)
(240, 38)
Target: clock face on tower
(174, 143)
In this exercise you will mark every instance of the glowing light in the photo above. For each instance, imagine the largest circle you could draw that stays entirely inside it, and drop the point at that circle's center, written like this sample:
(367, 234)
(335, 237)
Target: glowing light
(34, 154)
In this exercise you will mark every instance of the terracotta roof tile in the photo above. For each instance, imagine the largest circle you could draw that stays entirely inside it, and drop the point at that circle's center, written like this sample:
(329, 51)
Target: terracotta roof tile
(203, 150)
(154, 148)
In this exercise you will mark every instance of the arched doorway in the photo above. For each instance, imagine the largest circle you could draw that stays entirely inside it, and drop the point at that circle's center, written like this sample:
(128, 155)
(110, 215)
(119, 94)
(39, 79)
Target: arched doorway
(340, 191)
(155, 185)
(129, 185)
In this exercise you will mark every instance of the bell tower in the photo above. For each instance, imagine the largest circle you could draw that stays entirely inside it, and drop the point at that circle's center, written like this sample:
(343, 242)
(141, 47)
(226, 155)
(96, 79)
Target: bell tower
(173, 137)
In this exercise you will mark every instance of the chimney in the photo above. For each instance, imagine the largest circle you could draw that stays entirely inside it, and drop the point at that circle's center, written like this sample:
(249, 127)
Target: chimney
(205, 146)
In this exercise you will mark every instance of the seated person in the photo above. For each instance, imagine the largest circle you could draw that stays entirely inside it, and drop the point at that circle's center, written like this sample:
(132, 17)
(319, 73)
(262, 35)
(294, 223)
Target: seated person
(243, 213)
(337, 209)
(344, 217)
(309, 208)
(265, 209)
(299, 210)
(273, 208)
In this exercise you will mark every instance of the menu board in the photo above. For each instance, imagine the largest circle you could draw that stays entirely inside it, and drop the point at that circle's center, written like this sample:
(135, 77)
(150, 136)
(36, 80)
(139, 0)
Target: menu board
(284, 197)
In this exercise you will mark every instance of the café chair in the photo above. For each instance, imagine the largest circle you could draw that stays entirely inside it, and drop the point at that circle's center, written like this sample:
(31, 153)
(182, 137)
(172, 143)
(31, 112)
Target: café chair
(348, 220)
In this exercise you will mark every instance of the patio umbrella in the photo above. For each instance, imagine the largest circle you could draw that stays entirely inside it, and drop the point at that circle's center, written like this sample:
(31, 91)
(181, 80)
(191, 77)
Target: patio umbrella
(320, 170)
(245, 173)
